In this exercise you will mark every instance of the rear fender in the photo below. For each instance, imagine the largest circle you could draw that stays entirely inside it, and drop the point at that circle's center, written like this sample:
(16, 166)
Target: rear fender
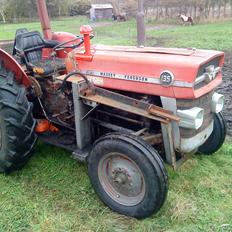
(12, 65)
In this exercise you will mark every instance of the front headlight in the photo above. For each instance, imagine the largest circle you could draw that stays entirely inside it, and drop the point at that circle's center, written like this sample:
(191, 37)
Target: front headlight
(217, 102)
(191, 118)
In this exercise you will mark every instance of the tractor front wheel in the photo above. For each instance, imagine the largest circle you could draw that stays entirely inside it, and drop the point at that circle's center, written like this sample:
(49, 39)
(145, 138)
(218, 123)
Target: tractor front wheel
(128, 175)
(17, 136)
(217, 138)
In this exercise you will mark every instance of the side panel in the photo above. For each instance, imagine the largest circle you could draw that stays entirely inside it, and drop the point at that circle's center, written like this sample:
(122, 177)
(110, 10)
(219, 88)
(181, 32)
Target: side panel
(11, 64)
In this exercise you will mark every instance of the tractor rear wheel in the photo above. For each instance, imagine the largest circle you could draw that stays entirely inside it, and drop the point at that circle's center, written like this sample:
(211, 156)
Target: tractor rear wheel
(217, 138)
(17, 136)
(128, 175)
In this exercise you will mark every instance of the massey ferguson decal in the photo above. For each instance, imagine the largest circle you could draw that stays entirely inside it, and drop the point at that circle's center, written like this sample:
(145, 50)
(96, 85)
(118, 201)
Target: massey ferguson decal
(119, 76)
(166, 78)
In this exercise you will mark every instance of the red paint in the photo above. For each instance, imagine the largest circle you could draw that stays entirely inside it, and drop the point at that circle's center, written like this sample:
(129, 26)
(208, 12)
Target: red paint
(12, 65)
(60, 37)
(144, 62)
(86, 31)
(63, 37)
(148, 62)
(44, 125)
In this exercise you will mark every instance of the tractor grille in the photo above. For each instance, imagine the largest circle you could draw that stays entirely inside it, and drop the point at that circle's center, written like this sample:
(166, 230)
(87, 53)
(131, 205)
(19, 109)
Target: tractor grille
(215, 62)
(202, 102)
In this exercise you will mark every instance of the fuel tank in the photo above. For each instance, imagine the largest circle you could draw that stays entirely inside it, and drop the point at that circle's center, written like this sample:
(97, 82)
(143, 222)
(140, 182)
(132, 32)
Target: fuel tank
(169, 72)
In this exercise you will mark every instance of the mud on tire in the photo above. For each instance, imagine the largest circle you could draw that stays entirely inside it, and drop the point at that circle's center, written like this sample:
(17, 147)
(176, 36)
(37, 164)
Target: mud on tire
(17, 136)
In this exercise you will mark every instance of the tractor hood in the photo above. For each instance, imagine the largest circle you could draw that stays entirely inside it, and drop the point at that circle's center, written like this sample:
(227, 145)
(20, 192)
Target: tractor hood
(169, 72)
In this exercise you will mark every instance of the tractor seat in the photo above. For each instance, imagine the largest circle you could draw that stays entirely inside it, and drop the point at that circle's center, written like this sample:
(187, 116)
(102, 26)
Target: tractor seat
(18, 33)
(29, 46)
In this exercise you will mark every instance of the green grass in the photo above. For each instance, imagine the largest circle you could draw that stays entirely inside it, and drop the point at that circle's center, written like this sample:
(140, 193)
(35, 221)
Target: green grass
(209, 36)
(108, 33)
(53, 192)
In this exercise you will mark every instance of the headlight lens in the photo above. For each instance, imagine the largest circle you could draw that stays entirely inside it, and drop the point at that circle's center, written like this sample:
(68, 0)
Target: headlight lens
(217, 102)
(191, 118)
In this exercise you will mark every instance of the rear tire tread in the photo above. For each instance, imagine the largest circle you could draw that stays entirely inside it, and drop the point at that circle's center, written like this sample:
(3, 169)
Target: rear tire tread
(16, 113)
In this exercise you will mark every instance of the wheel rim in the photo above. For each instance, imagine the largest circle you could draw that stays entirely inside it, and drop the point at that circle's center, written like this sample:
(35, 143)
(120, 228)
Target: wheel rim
(122, 179)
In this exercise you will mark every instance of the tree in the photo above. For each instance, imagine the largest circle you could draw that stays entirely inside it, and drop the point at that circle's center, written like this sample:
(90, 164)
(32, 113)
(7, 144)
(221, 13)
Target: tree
(3, 6)
(225, 7)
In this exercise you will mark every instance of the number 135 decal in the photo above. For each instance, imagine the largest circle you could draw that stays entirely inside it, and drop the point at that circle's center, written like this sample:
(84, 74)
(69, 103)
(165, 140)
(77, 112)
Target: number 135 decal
(166, 78)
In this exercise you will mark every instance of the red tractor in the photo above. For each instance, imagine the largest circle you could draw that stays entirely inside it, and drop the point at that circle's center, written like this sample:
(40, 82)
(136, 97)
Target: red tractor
(123, 110)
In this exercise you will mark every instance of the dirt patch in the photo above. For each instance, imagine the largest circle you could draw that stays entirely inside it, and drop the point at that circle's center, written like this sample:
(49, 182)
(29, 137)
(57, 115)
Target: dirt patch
(101, 24)
(226, 89)
(6, 45)
(158, 42)
(6, 42)
(159, 27)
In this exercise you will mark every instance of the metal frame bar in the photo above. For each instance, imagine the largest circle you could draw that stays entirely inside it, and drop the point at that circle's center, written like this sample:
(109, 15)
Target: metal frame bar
(168, 144)
(172, 137)
(84, 93)
(170, 104)
(128, 104)
(83, 126)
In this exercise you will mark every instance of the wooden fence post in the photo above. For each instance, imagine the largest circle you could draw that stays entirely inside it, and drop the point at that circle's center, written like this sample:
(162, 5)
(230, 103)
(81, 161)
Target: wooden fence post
(141, 30)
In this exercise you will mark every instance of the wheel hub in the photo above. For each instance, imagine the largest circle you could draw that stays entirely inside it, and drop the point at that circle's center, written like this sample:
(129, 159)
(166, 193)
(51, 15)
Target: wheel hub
(120, 176)
(122, 179)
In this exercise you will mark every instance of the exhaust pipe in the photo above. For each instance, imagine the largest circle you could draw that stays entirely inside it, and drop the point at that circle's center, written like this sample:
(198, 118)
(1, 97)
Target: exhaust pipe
(44, 19)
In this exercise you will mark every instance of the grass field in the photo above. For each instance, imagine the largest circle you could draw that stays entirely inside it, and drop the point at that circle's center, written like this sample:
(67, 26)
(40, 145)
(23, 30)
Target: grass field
(211, 36)
(53, 192)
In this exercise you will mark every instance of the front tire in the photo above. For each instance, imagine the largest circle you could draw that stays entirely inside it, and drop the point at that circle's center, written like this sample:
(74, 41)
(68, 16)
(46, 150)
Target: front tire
(17, 135)
(128, 175)
(217, 138)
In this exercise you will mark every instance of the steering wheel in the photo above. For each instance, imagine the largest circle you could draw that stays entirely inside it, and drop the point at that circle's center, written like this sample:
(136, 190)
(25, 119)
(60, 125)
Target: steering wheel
(64, 45)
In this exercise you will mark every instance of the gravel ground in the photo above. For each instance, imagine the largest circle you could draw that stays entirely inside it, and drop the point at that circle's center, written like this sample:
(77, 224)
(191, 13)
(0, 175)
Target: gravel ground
(226, 89)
